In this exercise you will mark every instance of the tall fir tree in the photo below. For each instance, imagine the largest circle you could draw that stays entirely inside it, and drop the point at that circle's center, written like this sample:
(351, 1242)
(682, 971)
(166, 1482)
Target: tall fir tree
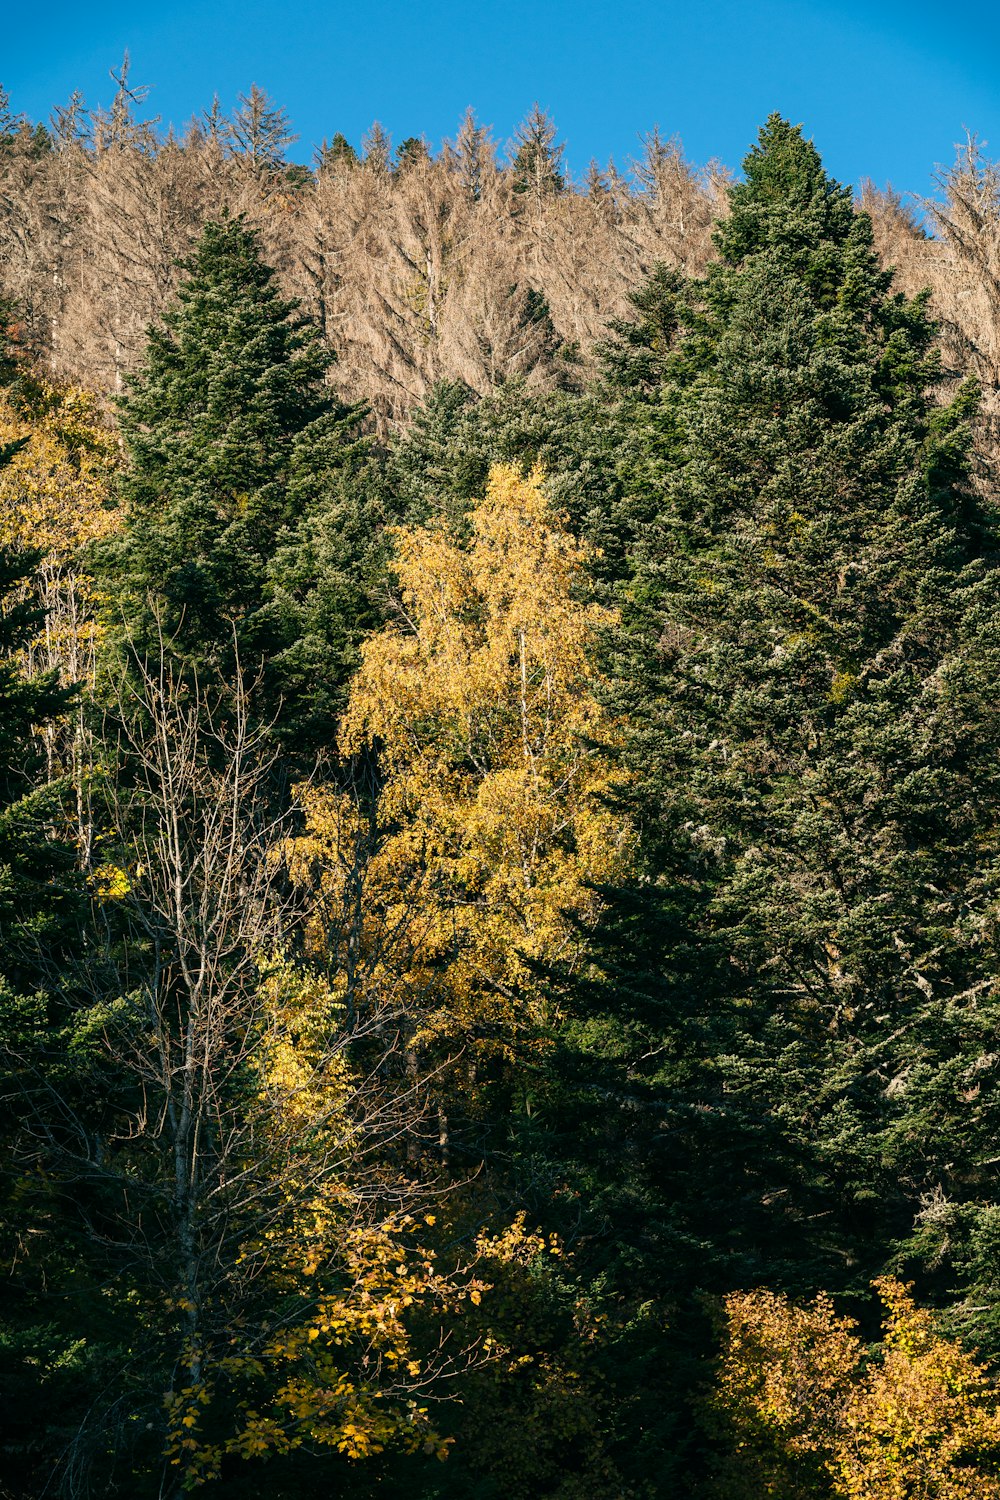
(250, 521)
(781, 1068)
(34, 864)
(536, 163)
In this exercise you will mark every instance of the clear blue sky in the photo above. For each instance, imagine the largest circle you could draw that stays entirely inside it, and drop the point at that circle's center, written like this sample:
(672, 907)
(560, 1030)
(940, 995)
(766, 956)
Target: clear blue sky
(884, 87)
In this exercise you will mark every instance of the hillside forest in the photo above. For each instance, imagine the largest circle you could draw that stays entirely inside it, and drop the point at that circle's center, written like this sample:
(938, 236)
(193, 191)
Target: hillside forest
(499, 819)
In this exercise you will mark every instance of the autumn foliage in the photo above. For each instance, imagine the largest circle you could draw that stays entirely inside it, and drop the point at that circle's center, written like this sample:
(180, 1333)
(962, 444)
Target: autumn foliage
(499, 853)
(55, 497)
(813, 1410)
(491, 828)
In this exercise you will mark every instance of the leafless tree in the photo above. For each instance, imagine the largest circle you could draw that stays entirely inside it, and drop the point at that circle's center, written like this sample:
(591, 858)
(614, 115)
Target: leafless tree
(966, 279)
(240, 1090)
(142, 208)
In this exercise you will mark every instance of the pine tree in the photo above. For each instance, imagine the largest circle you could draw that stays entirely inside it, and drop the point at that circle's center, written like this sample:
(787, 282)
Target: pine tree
(246, 523)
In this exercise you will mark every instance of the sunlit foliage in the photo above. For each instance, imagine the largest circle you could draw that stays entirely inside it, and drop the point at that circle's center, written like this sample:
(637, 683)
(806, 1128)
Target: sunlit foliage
(493, 827)
(813, 1411)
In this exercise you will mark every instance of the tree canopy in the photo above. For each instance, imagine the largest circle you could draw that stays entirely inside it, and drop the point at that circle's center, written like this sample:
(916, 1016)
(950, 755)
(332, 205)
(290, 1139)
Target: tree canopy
(498, 891)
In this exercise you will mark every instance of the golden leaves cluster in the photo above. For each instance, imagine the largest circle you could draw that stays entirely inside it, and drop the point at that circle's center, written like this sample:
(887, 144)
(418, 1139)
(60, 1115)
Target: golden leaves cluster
(54, 494)
(482, 706)
(342, 1376)
(322, 1354)
(810, 1406)
(55, 498)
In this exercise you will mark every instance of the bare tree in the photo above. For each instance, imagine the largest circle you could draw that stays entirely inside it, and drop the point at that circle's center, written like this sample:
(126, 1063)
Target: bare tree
(473, 156)
(258, 133)
(41, 204)
(417, 268)
(669, 219)
(965, 276)
(140, 214)
(236, 1168)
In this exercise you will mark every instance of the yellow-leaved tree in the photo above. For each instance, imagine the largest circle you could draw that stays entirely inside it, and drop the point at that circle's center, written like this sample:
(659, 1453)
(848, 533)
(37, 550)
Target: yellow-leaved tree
(459, 860)
(491, 826)
(55, 500)
(813, 1412)
(321, 1292)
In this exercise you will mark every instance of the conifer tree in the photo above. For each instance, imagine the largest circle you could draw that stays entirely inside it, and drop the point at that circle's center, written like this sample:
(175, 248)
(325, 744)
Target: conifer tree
(246, 522)
(33, 865)
(31, 861)
(785, 1048)
(337, 152)
(259, 132)
(536, 164)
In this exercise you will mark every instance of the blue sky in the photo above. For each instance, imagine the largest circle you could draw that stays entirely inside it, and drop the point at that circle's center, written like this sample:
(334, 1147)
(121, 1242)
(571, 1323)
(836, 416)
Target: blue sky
(885, 88)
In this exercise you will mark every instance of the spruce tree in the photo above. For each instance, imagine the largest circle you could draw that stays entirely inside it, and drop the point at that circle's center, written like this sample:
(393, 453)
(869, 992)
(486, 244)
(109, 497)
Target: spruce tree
(248, 522)
(35, 868)
(440, 465)
(536, 165)
(781, 1067)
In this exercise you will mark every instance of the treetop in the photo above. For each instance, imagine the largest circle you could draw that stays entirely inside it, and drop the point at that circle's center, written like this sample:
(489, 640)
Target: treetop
(784, 182)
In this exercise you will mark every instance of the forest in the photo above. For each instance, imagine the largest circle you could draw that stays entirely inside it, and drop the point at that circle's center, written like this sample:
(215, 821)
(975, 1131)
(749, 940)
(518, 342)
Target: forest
(499, 818)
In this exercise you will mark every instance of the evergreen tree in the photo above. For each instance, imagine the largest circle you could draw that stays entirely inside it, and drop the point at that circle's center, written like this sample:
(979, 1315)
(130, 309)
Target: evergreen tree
(440, 465)
(410, 153)
(782, 1055)
(337, 152)
(536, 165)
(248, 520)
(33, 864)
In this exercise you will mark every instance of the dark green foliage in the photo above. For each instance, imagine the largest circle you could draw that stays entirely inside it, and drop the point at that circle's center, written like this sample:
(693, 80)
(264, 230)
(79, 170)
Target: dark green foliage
(337, 153)
(249, 522)
(33, 863)
(410, 153)
(17, 131)
(442, 462)
(643, 349)
(798, 992)
(778, 1068)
